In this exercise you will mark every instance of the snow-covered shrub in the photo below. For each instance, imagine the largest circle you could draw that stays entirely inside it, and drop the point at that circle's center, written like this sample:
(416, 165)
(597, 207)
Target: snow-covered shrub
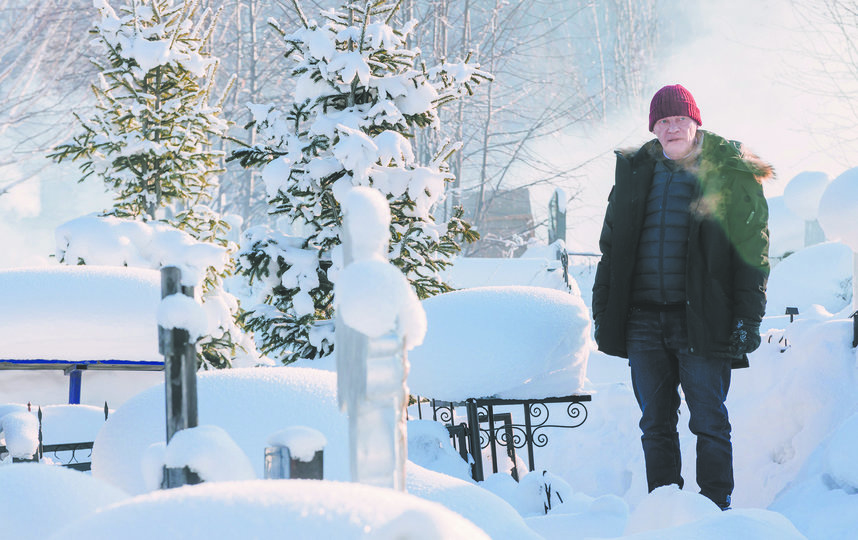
(358, 100)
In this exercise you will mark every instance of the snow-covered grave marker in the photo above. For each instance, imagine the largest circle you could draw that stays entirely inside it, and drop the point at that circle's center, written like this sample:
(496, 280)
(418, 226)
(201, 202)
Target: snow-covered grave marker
(837, 216)
(181, 322)
(377, 314)
(78, 318)
(295, 452)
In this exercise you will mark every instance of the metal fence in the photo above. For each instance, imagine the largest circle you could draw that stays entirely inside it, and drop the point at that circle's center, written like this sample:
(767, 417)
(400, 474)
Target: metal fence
(489, 428)
(76, 455)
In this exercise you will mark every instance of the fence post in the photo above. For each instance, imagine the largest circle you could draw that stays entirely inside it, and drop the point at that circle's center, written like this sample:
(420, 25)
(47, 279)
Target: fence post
(180, 374)
(75, 374)
(854, 329)
(474, 439)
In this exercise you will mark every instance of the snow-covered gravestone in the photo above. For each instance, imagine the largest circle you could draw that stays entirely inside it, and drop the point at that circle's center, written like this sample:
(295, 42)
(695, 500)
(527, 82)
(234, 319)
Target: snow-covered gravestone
(378, 315)
(295, 452)
(802, 196)
(839, 218)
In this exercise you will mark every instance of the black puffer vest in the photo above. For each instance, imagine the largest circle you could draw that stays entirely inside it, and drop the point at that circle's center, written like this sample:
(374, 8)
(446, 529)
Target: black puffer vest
(659, 276)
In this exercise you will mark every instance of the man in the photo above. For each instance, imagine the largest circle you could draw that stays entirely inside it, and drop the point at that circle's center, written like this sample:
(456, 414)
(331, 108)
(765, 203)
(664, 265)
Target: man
(680, 288)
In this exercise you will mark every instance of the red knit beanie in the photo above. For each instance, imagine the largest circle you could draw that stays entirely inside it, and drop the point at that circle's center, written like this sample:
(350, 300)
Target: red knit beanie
(673, 100)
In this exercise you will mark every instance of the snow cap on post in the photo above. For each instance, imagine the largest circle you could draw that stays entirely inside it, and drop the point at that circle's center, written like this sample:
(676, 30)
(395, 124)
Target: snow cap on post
(367, 216)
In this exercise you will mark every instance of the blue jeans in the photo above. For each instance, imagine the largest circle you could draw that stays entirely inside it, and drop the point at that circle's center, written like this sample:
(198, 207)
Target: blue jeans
(660, 361)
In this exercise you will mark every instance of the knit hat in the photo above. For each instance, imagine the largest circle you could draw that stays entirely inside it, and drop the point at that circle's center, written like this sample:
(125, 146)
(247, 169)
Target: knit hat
(673, 100)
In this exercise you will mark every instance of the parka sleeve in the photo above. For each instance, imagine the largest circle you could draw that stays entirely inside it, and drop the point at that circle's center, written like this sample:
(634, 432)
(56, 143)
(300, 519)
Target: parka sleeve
(602, 281)
(750, 236)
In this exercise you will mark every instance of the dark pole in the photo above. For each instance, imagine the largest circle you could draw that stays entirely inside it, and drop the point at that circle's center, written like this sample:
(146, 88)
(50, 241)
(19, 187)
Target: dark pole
(854, 329)
(180, 374)
(556, 219)
(474, 439)
(75, 374)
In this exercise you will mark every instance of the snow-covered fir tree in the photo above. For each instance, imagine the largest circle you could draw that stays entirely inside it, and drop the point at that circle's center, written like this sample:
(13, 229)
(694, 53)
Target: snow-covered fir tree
(150, 137)
(360, 96)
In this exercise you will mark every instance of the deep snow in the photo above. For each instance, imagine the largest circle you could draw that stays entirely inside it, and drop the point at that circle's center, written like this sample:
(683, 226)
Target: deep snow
(794, 426)
(794, 415)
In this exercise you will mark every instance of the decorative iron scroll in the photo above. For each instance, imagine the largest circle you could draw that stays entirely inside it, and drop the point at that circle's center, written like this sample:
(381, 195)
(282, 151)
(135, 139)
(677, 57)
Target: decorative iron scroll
(73, 461)
(575, 411)
(443, 411)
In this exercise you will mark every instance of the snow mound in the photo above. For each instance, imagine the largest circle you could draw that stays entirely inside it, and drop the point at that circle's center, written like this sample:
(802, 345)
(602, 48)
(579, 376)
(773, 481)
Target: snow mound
(803, 192)
(302, 442)
(786, 229)
(668, 506)
(811, 385)
(837, 209)
(20, 432)
(248, 403)
(80, 313)
(64, 494)
(429, 446)
(830, 264)
(270, 508)
(508, 342)
(483, 508)
(756, 524)
(210, 452)
(840, 457)
(830, 480)
(601, 517)
(536, 268)
(70, 423)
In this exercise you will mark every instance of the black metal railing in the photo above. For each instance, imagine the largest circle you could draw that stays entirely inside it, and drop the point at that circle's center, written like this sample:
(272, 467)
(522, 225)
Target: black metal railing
(69, 455)
(500, 428)
(77, 456)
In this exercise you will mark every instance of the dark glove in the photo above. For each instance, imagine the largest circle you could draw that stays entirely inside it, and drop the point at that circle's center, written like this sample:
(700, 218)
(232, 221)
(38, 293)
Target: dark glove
(745, 337)
(596, 335)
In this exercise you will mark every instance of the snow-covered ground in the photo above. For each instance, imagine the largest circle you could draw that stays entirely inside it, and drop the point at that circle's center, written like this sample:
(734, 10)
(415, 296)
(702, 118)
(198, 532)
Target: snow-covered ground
(794, 416)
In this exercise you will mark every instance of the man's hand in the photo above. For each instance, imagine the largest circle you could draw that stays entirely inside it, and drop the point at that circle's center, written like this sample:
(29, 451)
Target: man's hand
(745, 337)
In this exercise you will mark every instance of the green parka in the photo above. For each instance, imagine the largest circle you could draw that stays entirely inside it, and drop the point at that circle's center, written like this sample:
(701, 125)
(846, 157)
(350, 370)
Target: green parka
(727, 264)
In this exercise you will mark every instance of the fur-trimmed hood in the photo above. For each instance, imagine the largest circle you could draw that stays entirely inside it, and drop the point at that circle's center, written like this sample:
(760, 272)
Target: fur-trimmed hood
(713, 151)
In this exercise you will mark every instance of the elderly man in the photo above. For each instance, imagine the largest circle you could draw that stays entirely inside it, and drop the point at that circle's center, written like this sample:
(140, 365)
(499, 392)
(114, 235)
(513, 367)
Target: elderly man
(680, 288)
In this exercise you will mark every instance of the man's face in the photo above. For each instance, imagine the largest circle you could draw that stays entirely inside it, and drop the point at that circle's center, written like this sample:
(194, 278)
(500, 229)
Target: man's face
(676, 135)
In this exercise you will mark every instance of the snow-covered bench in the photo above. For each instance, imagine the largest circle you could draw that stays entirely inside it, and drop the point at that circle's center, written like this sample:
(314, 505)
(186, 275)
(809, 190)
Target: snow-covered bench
(78, 318)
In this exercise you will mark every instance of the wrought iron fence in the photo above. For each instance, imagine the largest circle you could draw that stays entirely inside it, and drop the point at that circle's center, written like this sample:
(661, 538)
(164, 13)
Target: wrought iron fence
(69, 455)
(500, 429)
